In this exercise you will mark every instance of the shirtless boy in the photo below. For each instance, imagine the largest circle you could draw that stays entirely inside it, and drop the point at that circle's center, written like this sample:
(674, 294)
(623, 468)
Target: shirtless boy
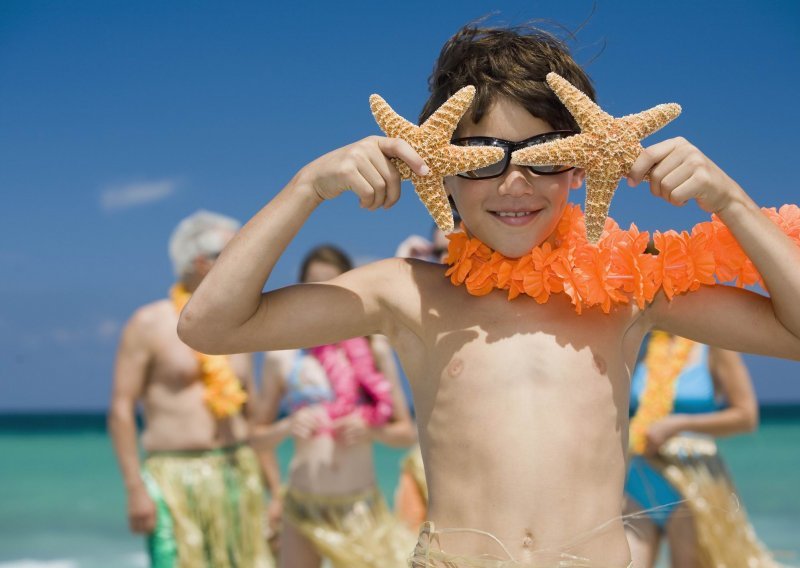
(198, 480)
(521, 407)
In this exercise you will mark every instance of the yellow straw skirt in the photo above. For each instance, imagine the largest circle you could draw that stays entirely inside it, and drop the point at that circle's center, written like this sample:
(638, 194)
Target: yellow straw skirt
(214, 509)
(429, 554)
(725, 537)
(352, 531)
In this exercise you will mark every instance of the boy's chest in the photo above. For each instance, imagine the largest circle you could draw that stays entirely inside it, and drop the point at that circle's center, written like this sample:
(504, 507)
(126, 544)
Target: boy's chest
(496, 354)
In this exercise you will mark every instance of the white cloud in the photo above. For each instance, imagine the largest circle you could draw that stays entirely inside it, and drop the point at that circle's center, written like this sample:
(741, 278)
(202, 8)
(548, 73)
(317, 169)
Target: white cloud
(107, 329)
(125, 196)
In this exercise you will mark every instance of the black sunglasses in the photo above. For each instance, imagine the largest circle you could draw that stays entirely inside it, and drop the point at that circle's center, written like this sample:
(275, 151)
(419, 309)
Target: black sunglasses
(498, 169)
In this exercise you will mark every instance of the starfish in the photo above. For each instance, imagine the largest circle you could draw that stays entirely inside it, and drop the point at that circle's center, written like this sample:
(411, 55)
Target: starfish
(432, 142)
(606, 147)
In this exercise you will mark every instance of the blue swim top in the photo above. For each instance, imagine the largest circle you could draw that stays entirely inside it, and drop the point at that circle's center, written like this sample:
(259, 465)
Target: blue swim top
(301, 393)
(694, 391)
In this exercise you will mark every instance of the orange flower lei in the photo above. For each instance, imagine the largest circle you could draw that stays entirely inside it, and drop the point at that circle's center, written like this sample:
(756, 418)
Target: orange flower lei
(617, 268)
(666, 357)
(223, 394)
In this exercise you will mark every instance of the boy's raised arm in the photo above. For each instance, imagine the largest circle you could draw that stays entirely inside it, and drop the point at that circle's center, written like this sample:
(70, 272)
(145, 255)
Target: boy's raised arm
(229, 314)
(735, 319)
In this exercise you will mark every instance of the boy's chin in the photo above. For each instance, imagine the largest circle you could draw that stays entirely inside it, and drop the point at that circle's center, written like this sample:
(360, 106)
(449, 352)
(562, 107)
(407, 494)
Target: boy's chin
(513, 248)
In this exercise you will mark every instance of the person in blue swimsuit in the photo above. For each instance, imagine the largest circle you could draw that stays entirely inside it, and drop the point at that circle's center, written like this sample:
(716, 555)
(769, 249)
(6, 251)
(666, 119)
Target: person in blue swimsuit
(331, 507)
(679, 490)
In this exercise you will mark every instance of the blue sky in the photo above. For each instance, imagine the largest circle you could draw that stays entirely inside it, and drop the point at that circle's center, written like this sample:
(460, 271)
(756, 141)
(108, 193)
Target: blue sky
(119, 118)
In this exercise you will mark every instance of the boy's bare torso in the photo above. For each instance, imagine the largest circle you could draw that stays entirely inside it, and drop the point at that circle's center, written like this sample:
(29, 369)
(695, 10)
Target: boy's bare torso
(522, 412)
(176, 417)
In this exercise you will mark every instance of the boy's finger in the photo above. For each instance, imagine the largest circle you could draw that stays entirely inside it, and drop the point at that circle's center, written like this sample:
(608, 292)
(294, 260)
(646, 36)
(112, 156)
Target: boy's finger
(363, 190)
(397, 148)
(661, 170)
(392, 178)
(649, 157)
(672, 182)
(374, 179)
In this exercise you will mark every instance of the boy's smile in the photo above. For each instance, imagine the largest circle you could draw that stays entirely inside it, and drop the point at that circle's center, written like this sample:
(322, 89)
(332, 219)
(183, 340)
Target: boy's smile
(518, 210)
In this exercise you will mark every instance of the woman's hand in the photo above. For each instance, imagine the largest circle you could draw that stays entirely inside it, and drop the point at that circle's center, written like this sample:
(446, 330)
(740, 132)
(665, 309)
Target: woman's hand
(305, 422)
(661, 431)
(351, 430)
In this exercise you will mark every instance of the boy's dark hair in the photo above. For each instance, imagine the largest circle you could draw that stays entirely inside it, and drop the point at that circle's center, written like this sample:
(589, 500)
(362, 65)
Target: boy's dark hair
(506, 62)
(327, 254)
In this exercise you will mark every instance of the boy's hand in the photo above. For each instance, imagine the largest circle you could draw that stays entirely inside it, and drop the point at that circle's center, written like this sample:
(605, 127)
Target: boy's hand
(679, 172)
(364, 168)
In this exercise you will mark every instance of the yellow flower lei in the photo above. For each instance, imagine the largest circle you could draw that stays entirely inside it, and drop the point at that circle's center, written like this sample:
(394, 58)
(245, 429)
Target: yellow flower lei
(223, 394)
(666, 357)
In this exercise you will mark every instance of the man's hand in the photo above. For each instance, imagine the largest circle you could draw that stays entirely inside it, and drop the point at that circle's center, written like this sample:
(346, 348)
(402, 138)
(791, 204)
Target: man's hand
(141, 511)
(274, 514)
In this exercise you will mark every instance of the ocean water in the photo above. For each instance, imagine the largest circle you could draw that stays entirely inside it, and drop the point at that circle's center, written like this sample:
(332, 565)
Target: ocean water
(62, 503)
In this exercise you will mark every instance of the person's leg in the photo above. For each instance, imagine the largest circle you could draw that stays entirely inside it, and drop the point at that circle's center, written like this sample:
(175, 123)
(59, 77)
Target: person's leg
(643, 536)
(682, 538)
(296, 550)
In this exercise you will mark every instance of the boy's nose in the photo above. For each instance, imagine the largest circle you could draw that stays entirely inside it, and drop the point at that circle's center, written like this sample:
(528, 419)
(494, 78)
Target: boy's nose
(515, 183)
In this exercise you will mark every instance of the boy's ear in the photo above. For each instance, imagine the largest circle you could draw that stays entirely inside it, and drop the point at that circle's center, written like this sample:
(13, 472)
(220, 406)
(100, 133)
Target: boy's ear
(578, 175)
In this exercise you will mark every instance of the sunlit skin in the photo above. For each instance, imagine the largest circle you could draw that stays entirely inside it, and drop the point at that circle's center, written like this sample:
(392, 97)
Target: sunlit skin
(337, 464)
(522, 408)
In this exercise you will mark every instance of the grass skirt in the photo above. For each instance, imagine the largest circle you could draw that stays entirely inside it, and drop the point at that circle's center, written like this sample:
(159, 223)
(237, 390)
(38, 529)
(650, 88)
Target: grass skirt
(214, 509)
(352, 531)
(725, 537)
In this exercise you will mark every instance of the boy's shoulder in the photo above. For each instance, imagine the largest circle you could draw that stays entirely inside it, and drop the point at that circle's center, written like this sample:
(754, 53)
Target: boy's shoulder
(403, 284)
(407, 273)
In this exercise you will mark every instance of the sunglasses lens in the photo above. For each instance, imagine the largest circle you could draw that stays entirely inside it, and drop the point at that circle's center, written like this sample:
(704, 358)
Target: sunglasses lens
(549, 169)
(549, 137)
(487, 172)
(491, 171)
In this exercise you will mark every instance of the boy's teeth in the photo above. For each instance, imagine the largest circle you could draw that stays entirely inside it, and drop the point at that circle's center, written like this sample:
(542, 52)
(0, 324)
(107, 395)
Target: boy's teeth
(513, 213)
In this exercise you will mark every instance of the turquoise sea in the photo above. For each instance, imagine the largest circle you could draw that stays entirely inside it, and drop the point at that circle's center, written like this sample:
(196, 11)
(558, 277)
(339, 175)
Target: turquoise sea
(62, 502)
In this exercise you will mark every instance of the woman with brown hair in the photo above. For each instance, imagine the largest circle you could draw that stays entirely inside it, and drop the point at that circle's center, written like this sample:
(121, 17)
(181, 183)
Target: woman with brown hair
(338, 399)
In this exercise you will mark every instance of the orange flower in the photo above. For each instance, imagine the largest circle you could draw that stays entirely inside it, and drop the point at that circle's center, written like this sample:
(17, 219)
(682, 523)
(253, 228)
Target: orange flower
(542, 280)
(593, 264)
(615, 269)
(671, 262)
(571, 226)
(222, 390)
(634, 268)
(700, 259)
(571, 281)
(518, 272)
